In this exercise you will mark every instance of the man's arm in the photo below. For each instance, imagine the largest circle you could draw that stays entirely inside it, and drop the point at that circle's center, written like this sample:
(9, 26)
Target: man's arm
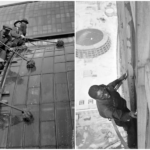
(118, 81)
(114, 83)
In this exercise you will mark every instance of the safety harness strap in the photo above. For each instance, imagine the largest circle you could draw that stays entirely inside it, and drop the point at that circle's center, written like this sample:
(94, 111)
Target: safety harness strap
(119, 135)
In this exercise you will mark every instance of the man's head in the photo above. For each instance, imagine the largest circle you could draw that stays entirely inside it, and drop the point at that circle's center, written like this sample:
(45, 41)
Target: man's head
(6, 29)
(99, 92)
(17, 23)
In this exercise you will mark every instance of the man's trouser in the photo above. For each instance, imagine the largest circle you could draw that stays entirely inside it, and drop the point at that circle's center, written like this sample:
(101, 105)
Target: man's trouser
(131, 128)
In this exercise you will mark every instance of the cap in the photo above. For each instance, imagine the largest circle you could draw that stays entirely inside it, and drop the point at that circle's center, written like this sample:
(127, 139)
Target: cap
(16, 22)
(25, 20)
(7, 27)
(93, 91)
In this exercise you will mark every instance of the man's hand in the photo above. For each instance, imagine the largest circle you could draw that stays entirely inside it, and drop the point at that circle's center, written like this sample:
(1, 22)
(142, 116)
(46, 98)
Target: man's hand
(124, 76)
(133, 114)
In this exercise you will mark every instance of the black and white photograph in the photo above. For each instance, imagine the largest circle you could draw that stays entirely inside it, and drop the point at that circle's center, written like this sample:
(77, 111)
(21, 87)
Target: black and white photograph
(112, 75)
(74, 74)
(37, 74)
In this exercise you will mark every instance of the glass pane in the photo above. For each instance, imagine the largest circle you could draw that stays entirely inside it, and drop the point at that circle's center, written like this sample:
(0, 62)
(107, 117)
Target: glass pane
(20, 91)
(34, 81)
(31, 137)
(59, 59)
(37, 55)
(17, 132)
(60, 67)
(3, 137)
(23, 69)
(49, 49)
(61, 91)
(47, 54)
(69, 49)
(48, 136)
(70, 76)
(29, 56)
(63, 124)
(59, 53)
(15, 136)
(48, 65)
(70, 57)
(47, 82)
(47, 112)
(37, 68)
(70, 66)
(33, 96)
(60, 78)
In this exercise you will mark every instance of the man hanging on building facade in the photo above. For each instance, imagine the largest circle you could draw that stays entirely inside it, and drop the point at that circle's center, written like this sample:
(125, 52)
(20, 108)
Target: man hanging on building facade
(112, 106)
(18, 32)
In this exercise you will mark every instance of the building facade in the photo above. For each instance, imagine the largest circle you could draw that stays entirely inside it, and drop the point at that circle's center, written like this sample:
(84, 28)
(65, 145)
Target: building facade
(47, 90)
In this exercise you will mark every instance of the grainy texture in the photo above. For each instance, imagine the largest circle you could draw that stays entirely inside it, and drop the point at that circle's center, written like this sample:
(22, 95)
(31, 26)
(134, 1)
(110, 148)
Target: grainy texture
(48, 96)
(134, 49)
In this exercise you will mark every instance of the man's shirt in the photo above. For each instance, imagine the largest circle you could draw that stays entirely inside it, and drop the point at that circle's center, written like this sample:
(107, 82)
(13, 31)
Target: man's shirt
(115, 106)
(15, 33)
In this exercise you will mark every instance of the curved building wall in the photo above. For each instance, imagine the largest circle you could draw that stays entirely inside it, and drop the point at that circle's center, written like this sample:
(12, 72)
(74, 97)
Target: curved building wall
(45, 18)
(47, 90)
(94, 50)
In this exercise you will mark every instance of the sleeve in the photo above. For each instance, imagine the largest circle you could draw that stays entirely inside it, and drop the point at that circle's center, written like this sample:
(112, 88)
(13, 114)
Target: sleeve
(114, 83)
(112, 112)
(14, 34)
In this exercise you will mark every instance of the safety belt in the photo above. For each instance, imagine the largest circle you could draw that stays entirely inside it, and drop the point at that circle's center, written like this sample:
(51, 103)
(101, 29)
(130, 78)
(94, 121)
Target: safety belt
(119, 135)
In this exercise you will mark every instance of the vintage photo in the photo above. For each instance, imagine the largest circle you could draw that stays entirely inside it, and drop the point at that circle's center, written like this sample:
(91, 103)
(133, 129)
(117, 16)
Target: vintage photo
(112, 75)
(74, 75)
(37, 74)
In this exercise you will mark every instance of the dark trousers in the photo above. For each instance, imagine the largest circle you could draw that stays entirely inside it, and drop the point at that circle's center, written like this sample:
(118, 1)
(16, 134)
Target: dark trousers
(131, 128)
